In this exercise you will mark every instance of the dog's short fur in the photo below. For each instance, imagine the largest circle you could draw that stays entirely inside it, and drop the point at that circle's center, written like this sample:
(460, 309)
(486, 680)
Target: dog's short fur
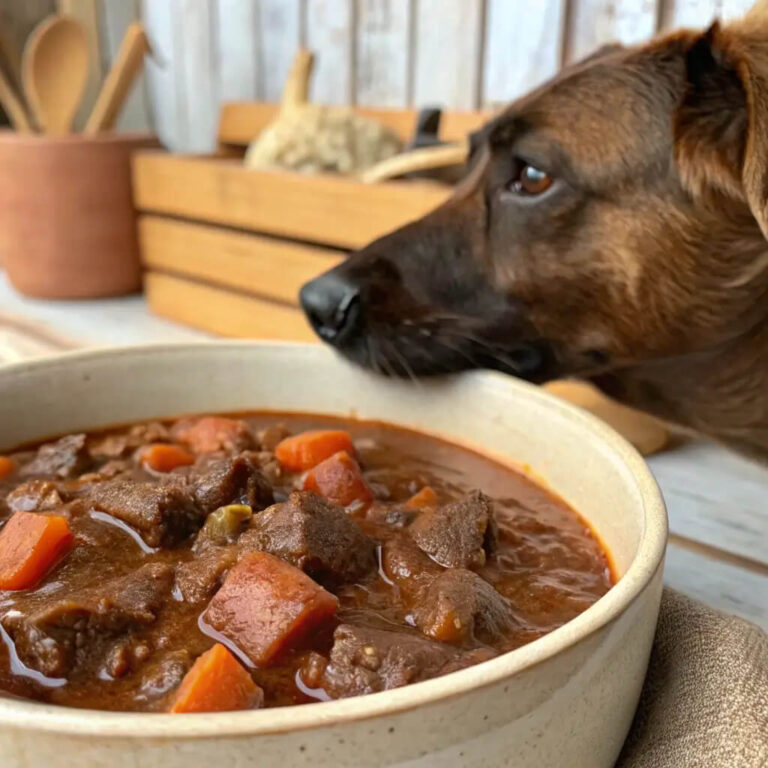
(644, 266)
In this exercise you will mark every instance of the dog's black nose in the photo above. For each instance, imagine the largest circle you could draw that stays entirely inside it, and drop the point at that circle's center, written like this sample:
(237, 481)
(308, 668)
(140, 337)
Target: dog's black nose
(332, 305)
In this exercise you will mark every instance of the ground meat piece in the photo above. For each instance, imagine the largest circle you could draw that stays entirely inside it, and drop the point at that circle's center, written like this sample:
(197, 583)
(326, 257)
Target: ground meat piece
(197, 580)
(66, 458)
(459, 534)
(121, 444)
(162, 514)
(459, 606)
(408, 567)
(311, 533)
(271, 436)
(50, 637)
(34, 496)
(237, 480)
(364, 660)
(209, 434)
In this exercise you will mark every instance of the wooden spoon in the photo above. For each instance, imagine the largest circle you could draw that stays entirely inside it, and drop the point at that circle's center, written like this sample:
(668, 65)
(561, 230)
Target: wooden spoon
(117, 85)
(55, 71)
(13, 106)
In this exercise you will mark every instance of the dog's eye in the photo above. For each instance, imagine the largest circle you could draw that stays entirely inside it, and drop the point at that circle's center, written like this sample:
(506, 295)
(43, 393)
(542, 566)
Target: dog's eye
(531, 181)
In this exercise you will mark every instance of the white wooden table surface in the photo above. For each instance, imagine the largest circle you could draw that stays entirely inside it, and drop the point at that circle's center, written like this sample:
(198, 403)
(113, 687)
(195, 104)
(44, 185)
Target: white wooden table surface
(717, 501)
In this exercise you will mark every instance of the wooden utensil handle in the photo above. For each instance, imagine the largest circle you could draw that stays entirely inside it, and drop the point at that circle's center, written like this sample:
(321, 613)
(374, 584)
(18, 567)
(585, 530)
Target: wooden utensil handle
(424, 159)
(13, 106)
(124, 71)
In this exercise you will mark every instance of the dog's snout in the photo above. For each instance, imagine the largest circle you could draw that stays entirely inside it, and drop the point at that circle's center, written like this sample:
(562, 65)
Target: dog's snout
(332, 305)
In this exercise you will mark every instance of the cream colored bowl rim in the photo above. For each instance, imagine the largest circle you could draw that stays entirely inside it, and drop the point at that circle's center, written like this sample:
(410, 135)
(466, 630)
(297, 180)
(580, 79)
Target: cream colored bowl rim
(31, 715)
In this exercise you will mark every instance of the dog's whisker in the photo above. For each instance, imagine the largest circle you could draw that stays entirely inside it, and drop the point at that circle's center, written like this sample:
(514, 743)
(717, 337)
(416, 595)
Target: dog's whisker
(372, 356)
(403, 361)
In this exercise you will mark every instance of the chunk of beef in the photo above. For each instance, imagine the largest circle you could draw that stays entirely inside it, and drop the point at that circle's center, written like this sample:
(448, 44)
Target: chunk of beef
(461, 607)
(161, 514)
(314, 535)
(119, 445)
(198, 579)
(50, 634)
(34, 496)
(366, 660)
(66, 458)
(208, 434)
(237, 480)
(270, 437)
(408, 567)
(459, 534)
(164, 675)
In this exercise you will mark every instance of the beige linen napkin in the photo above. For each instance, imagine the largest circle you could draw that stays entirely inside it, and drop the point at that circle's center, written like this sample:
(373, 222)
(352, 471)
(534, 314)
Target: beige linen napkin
(705, 700)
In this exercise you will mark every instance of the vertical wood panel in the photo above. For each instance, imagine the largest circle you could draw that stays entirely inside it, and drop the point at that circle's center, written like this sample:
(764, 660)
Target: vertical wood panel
(594, 23)
(238, 42)
(163, 72)
(330, 34)
(280, 29)
(448, 51)
(383, 65)
(115, 17)
(196, 22)
(688, 13)
(522, 49)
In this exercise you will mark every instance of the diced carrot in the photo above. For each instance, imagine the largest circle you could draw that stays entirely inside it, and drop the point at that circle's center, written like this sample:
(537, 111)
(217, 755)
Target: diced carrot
(7, 466)
(266, 606)
(424, 499)
(308, 449)
(212, 433)
(339, 479)
(30, 545)
(217, 682)
(163, 457)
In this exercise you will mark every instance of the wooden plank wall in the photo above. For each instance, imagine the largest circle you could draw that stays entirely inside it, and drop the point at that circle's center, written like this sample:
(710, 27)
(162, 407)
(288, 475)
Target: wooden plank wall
(463, 54)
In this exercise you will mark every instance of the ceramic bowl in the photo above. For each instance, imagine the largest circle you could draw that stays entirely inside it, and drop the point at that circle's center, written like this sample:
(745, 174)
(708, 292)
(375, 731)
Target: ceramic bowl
(566, 699)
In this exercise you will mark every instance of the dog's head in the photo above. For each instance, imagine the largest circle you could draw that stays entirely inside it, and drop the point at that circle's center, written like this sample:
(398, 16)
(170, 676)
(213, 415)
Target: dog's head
(613, 216)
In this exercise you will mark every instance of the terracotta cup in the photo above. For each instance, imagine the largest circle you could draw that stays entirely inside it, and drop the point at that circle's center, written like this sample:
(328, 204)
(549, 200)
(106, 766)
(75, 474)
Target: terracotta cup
(67, 221)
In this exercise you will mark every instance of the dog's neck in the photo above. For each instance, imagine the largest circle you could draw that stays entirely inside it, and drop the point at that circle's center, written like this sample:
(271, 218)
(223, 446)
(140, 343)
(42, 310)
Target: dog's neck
(720, 392)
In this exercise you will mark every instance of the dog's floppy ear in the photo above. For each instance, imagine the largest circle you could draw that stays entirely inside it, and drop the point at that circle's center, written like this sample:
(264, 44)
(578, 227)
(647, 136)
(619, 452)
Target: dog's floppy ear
(721, 126)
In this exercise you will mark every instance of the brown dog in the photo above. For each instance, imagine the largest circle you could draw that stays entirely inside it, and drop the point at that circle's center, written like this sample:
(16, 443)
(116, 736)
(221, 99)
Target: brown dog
(612, 227)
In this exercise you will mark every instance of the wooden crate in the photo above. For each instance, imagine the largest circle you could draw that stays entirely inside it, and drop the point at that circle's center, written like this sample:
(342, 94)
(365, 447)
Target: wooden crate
(226, 249)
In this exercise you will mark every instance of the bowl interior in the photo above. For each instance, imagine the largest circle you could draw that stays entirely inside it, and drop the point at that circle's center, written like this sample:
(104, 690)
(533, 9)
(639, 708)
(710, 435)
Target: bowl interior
(582, 460)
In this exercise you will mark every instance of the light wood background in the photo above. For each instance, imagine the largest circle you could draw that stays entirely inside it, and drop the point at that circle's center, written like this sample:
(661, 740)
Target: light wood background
(454, 53)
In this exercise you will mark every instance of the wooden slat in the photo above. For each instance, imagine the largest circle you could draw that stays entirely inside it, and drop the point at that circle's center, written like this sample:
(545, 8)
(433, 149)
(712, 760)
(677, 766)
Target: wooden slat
(522, 48)
(322, 209)
(330, 36)
(273, 268)
(241, 122)
(719, 584)
(688, 13)
(383, 56)
(198, 83)
(594, 23)
(448, 51)
(280, 38)
(237, 30)
(116, 16)
(224, 312)
(729, 516)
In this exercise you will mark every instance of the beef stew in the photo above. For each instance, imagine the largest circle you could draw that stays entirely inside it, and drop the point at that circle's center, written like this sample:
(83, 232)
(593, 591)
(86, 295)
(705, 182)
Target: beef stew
(232, 562)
